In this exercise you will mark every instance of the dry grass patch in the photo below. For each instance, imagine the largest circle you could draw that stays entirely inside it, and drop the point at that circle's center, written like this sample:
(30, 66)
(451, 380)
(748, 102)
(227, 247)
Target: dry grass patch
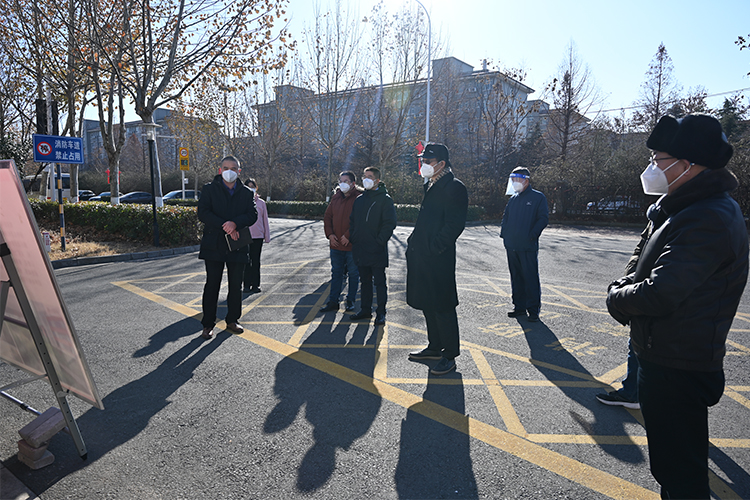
(82, 242)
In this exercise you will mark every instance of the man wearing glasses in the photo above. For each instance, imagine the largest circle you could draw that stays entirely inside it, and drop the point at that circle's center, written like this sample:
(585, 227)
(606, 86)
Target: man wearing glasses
(525, 216)
(683, 295)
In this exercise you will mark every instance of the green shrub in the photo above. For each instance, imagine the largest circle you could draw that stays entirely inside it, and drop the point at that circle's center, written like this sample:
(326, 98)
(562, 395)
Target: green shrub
(310, 209)
(178, 226)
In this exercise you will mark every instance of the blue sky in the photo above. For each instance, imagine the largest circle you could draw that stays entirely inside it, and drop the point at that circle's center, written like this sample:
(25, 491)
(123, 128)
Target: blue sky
(617, 40)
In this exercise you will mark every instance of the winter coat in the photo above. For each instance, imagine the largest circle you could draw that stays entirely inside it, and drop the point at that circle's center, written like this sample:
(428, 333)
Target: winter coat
(215, 207)
(261, 228)
(336, 218)
(525, 216)
(431, 247)
(684, 293)
(371, 225)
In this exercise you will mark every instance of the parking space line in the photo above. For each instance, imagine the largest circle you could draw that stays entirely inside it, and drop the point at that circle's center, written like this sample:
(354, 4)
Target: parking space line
(502, 403)
(380, 370)
(738, 397)
(310, 321)
(583, 474)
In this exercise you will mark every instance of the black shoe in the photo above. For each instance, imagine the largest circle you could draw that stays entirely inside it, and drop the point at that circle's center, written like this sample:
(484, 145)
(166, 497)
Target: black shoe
(444, 366)
(349, 306)
(331, 306)
(425, 354)
(516, 313)
(616, 399)
(533, 317)
(360, 315)
(380, 319)
(255, 289)
(247, 290)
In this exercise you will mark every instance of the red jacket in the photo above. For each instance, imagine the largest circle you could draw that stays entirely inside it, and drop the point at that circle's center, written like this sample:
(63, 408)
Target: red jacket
(336, 218)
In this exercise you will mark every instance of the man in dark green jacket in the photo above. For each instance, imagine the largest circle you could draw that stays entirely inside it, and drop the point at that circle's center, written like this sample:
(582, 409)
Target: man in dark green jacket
(431, 258)
(371, 225)
(226, 205)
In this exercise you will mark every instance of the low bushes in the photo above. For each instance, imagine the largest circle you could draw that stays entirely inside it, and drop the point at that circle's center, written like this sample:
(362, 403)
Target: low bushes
(179, 224)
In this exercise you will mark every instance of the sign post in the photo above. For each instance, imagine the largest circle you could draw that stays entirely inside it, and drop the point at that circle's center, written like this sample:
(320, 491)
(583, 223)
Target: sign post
(184, 166)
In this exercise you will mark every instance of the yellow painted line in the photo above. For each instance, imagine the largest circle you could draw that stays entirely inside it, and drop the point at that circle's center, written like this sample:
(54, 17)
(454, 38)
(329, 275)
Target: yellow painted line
(553, 383)
(308, 322)
(566, 467)
(569, 298)
(170, 304)
(434, 381)
(470, 345)
(497, 289)
(729, 443)
(738, 346)
(175, 283)
(587, 439)
(380, 370)
(739, 388)
(738, 397)
(335, 346)
(614, 374)
(502, 403)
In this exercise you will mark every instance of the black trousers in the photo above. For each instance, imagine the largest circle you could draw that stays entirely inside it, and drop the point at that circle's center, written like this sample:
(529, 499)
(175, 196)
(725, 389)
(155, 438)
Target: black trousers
(366, 276)
(442, 331)
(214, 273)
(252, 269)
(524, 280)
(675, 405)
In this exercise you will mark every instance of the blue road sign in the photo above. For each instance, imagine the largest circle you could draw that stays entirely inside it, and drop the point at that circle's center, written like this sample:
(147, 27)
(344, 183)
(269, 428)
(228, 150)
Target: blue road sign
(57, 149)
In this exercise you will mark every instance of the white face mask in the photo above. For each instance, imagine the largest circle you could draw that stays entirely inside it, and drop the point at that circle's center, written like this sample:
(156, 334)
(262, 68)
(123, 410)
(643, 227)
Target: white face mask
(344, 187)
(229, 175)
(368, 183)
(654, 180)
(427, 171)
(254, 190)
(517, 186)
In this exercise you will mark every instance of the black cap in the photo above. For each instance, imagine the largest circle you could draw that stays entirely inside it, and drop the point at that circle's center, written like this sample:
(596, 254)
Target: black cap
(437, 151)
(697, 138)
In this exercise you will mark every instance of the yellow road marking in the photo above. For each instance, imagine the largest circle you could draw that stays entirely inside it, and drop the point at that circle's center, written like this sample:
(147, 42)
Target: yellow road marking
(335, 346)
(566, 467)
(738, 397)
(580, 304)
(499, 291)
(552, 383)
(502, 403)
(170, 304)
(738, 346)
(614, 374)
(587, 439)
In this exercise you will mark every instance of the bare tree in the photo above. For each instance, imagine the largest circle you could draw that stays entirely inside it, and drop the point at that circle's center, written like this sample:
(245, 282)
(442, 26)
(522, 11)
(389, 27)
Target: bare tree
(574, 96)
(173, 45)
(658, 91)
(334, 71)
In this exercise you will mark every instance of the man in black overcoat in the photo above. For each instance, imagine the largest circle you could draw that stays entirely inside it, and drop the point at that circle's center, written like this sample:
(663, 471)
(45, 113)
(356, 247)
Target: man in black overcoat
(225, 206)
(431, 258)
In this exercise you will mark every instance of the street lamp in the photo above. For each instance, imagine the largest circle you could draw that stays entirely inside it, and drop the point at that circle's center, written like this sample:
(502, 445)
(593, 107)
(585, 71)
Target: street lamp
(151, 137)
(429, 68)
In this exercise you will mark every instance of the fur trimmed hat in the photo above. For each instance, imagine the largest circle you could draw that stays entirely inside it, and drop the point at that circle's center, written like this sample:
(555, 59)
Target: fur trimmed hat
(697, 138)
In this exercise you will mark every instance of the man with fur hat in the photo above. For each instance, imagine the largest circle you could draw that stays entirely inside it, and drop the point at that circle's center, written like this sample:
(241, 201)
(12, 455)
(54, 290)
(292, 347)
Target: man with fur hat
(524, 218)
(682, 297)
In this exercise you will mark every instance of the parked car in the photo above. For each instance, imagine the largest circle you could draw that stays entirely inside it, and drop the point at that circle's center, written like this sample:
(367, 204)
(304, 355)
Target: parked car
(618, 204)
(136, 197)
(177, 195)
(103, 196)
(85, 194)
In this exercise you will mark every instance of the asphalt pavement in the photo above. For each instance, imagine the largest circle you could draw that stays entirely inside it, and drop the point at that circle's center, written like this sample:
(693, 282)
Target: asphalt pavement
(305, 404)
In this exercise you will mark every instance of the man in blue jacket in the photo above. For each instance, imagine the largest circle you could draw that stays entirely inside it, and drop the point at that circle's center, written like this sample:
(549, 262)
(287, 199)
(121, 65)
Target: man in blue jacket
(525, 216)
(226, 205)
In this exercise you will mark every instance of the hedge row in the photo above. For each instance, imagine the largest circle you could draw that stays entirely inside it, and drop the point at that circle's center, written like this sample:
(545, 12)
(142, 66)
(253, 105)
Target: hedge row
(179, 224)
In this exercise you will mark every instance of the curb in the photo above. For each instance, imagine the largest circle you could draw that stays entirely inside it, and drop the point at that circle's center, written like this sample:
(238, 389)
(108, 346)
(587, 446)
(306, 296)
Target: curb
(125, 257)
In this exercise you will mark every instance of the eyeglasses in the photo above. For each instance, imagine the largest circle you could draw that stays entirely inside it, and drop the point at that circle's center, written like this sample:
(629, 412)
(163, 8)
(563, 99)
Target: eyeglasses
(654, 159)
